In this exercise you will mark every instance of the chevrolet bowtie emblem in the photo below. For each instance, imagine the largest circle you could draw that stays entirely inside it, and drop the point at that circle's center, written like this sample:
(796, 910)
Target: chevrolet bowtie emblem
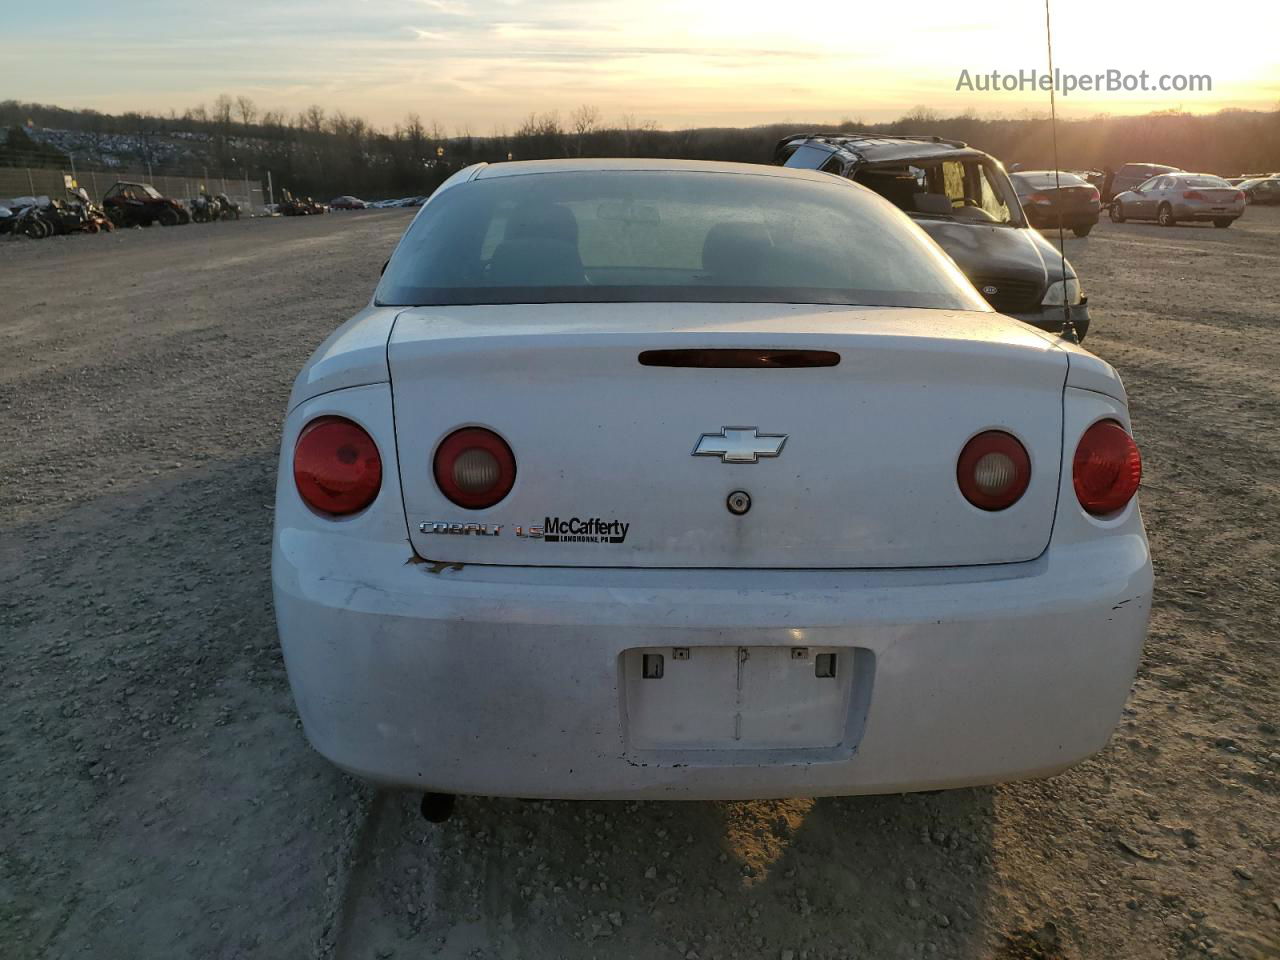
(739, 445)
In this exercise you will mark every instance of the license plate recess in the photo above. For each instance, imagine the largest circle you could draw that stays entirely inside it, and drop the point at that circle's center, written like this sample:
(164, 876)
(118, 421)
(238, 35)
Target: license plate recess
(736, 698)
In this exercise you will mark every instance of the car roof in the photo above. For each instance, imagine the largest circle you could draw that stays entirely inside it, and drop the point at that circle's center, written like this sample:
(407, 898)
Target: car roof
(878, 147)
(516, 168)
(1046, 173)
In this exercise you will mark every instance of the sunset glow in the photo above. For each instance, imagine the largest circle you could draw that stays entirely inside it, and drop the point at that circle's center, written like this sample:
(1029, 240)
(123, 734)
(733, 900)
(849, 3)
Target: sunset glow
(487, 64)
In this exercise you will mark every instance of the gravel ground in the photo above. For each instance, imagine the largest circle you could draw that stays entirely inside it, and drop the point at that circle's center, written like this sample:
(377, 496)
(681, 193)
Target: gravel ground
(159, 800)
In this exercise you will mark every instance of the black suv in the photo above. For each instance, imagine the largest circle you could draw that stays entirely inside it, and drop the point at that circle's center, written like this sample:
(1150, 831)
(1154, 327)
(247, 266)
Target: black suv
(962, 198)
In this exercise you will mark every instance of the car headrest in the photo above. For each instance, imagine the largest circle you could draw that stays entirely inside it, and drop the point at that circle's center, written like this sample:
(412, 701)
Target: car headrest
(536, 262)
(543, 221)
(935, 203)
(735, 252)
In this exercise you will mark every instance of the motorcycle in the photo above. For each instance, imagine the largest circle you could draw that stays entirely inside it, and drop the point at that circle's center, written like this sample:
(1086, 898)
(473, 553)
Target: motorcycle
(205, 209)
(230, 210)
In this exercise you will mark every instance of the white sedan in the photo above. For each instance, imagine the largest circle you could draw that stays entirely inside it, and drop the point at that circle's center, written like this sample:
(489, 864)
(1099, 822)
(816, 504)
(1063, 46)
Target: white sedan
(690, 480)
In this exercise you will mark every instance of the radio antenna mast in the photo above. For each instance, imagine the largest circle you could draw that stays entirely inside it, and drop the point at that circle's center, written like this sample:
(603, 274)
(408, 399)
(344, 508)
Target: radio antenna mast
(1068, 326)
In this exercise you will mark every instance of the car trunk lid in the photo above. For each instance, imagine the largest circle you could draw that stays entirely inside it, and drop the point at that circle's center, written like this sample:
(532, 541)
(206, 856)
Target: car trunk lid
(628, 463)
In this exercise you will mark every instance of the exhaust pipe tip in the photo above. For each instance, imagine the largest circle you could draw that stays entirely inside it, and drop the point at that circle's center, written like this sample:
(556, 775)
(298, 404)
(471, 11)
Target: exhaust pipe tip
(437, 807)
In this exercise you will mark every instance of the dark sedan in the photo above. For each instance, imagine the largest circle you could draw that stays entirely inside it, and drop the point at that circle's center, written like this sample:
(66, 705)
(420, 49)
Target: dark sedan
(1049, 199)
(1264, 190)
(346, 203)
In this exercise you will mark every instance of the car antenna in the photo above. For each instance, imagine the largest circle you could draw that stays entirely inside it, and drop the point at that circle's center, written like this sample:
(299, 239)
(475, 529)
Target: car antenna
(1069, 332)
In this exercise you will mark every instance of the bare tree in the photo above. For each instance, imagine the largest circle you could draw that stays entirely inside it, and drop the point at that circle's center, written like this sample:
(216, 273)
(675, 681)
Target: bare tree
(313, 118)
(585, 120)
(222, 110)
(248, 109)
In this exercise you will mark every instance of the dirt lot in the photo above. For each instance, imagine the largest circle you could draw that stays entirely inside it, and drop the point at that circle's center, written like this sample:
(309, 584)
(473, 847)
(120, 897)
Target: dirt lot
(159, 800)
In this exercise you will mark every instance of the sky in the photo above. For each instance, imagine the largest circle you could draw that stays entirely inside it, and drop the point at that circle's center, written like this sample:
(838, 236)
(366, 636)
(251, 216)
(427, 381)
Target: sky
(486, 65)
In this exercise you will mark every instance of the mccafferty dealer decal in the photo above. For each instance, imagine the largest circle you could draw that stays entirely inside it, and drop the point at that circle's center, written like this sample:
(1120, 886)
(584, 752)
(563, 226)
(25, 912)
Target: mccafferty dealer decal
(580, 530)
(551, 530)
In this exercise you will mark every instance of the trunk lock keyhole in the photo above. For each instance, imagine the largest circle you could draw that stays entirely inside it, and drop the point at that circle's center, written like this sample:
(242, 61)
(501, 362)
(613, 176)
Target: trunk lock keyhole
(738, 502)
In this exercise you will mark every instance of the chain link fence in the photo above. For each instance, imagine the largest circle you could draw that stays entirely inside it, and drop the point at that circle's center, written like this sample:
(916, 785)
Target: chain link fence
(52, 182)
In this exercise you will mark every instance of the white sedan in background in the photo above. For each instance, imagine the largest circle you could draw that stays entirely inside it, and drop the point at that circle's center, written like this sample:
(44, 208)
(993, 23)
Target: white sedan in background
(691, 480)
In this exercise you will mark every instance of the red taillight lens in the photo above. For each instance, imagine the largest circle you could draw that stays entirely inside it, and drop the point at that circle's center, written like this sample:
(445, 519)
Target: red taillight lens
(1094, 195)
(1107, 468)
(336, 466)
(993, 470)
(1192, 195)
(1039, 198)
(475, 468)
(1239, 196)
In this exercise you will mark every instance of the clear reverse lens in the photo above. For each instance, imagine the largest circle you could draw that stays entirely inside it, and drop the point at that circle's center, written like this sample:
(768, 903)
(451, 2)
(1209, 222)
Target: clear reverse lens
(476, 470)
(994, 473)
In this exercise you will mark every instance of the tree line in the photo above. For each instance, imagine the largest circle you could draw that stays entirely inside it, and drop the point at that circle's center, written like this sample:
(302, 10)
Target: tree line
(322, 152)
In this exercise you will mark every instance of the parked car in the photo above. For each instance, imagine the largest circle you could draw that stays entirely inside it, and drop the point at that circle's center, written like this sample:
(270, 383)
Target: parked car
(1264, 191)
(905, 552)
(1051, 199)
(1131, 175)
(1180, 196)
(131, 204)
(346, 203)
(963, 199)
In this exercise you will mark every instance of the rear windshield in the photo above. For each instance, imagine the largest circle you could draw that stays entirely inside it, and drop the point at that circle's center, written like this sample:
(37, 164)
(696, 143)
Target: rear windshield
(1204, 182)
(619, 236)
(1047, 181)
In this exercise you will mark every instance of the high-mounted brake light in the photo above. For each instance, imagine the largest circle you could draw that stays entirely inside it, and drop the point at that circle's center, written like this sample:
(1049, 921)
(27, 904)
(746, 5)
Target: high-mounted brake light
(336, 466)
(993, 470)
(474, 468)
(1107, 468)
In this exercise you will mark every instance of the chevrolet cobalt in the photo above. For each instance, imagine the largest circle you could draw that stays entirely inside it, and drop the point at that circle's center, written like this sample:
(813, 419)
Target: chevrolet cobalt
(692, 480)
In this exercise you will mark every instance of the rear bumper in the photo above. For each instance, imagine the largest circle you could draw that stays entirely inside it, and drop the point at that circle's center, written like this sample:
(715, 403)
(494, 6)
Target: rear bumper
(1202, 212)
(508, 681)
(1045, 220)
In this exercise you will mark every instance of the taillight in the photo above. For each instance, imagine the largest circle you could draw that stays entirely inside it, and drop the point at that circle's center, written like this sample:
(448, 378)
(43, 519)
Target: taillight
(336, 466)
(1240, 196)
(1094, 195)
(1107, 468)
(993, 471)
(1039, 198)
(474, 468)
(1192, 195)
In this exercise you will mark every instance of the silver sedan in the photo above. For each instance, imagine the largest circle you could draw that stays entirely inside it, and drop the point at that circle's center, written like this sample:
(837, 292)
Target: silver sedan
(1171, 197)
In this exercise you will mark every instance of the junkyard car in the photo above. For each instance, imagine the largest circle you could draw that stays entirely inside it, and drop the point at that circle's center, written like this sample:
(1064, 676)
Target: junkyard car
(1131, 175)
(1056, 198)
(1172, 197)
(691, 480)
(131, 204)
(963, 199)
(1263, 190)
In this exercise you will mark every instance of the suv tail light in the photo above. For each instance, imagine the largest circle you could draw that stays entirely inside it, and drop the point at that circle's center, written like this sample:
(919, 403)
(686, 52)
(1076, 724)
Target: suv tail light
(336, 466)
(1107, 468)
(1192, 195)
(993, 470)
(474, 468)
